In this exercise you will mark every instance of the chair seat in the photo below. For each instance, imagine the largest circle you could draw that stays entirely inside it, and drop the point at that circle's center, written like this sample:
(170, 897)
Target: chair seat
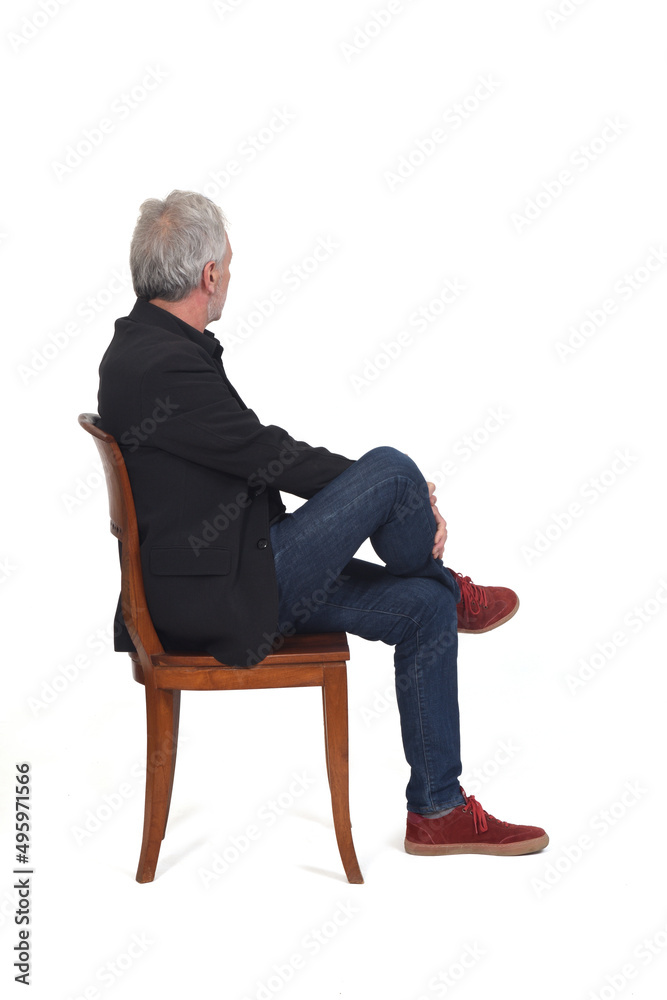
(304, 648)
(301, 661)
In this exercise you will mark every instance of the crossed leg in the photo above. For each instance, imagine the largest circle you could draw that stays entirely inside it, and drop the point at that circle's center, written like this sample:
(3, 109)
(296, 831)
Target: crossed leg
(409, 603)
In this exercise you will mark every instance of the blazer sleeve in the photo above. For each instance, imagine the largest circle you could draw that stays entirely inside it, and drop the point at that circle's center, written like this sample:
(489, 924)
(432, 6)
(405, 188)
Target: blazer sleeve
(188, 410)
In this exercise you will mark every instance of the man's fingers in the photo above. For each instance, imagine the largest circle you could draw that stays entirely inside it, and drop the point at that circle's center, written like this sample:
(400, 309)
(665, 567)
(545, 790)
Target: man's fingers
(440, 531)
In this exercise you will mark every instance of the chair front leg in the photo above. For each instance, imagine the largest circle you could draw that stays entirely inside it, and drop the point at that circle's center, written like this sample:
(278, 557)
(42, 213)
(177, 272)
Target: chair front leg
(174, 747)
(334, 692)
(162, 711)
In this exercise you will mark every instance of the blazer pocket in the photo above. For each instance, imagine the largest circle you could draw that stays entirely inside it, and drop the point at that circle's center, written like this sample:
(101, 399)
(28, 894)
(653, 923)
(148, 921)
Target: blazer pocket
(184, 561)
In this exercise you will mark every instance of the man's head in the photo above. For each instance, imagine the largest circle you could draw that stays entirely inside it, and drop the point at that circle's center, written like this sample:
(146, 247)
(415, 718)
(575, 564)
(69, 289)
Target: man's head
(180, 253)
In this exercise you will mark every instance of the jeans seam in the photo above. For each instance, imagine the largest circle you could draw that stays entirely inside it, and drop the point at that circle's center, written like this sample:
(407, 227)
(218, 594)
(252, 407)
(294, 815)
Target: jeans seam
(380, 482)
(427, 770)
(372, 611)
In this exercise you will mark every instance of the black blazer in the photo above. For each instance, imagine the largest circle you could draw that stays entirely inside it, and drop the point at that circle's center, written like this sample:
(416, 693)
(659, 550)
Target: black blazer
(206, 475)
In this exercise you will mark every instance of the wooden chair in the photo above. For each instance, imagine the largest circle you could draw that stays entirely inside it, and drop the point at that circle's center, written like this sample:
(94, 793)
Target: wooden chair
(301, 661)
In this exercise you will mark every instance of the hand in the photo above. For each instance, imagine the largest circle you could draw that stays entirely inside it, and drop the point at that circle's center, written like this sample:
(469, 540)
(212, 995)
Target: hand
(441, 525)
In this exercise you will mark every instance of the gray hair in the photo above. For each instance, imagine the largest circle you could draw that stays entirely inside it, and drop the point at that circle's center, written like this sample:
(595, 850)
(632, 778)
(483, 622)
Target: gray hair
(172, 241)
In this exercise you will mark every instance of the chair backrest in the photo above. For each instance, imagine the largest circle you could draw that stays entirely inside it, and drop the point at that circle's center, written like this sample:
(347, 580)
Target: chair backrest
(124, 526)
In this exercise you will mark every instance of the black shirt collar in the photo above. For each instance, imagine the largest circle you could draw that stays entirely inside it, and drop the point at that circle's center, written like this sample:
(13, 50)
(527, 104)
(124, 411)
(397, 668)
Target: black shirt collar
(145, 312)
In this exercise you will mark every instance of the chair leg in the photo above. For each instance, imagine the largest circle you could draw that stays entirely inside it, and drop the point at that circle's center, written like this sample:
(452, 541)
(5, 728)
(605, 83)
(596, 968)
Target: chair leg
(161, 710)
(174, 748)
(326, 738)
(334, 691)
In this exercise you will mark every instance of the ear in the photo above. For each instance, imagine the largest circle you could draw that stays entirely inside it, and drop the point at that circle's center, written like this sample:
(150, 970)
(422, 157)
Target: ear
(208, 276)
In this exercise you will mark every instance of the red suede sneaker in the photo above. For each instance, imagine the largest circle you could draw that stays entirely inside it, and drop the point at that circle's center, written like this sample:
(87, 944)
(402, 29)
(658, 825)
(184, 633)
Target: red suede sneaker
(483, 608)
(468, 829)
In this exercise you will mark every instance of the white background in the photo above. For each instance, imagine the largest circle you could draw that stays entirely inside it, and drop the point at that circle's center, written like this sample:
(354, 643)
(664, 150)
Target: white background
(586, 761)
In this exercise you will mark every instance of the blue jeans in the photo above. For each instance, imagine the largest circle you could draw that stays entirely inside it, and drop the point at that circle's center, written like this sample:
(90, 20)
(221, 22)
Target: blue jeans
(409, 603)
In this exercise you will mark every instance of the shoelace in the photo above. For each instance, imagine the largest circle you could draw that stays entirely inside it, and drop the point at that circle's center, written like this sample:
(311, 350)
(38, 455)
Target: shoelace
(479, 815)
(473, 597)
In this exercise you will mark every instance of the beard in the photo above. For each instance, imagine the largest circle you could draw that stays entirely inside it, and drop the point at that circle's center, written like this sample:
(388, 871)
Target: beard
(215, 307)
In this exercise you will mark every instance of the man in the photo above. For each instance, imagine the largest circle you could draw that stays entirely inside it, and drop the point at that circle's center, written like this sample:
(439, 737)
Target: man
(228, 570)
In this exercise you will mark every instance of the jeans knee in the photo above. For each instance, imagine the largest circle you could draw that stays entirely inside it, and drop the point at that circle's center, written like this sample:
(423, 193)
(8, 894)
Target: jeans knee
(392, 462)
(443, 602)
(383, 452)
(432, 608)
(439, 639)
(431, 604)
